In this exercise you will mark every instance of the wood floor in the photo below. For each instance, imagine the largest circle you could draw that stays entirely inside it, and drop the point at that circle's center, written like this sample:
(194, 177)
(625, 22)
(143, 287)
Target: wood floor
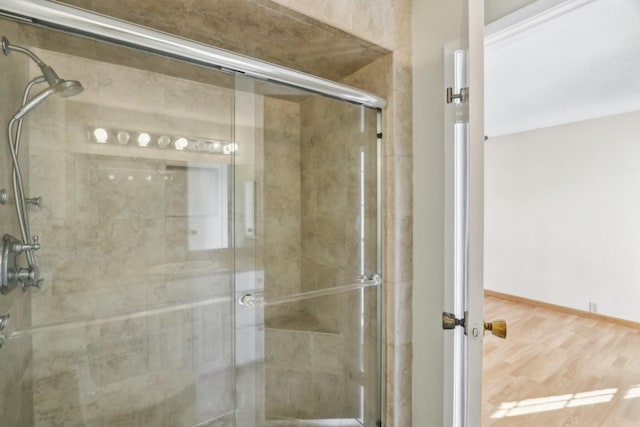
(557, 369)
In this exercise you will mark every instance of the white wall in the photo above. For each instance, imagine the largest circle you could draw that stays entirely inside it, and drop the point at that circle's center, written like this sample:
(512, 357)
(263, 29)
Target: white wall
(563, 215)
(435, 23)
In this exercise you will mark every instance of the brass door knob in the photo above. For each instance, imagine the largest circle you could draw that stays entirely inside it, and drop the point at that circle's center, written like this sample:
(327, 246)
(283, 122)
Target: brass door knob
(449, 321)
(497, 328)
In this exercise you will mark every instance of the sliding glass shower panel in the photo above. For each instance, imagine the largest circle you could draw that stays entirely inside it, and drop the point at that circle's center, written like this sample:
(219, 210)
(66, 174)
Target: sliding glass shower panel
(307, 331)
(133, 323)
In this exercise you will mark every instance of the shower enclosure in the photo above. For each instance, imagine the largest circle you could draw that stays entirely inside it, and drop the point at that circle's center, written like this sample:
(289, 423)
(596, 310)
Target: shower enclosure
(209, 242)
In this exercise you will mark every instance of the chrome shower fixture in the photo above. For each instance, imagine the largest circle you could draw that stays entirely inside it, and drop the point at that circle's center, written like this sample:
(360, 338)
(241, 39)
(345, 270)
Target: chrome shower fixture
(62, 87)
(11, 273)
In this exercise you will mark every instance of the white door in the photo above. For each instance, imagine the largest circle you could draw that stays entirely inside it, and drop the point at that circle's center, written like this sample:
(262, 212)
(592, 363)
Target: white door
(448, 211)
(464, 220)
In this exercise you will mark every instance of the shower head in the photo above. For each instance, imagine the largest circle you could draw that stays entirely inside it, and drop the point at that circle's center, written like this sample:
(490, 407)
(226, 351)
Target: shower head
(67, 88)
(61, 87)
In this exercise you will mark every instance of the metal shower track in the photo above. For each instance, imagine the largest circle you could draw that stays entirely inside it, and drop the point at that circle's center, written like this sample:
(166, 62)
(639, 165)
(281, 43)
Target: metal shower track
(78, 21)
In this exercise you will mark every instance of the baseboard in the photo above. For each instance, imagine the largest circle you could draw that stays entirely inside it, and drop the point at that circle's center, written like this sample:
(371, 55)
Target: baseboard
(562, 309)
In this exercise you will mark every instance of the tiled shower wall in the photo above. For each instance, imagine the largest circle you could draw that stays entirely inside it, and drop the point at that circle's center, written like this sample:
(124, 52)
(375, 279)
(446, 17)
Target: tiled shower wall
(315, 365)
(127, 307)
(397, 135)
(15, 355)
(330, 54)
(134, 326)
(339, 161)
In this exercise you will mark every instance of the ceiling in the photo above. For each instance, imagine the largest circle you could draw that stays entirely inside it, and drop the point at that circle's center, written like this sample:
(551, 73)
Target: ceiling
(555, 62)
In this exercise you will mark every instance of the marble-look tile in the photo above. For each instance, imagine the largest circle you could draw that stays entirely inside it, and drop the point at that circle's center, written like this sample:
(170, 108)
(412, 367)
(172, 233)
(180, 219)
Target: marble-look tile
(180, 288)
(298, 41)
(176, 198)
(223, 421)
(212, 338)
(215, 395)
(399, 298)
(288, 349)
(375, 22)
(404, 266)
(16, 383)
(338, 13)
(327, 353)
(282, 275)
(282, 235)
(333, 397)
(289, 393)
(402, 383)
(329, 237)
(281, 194)
(117, 187)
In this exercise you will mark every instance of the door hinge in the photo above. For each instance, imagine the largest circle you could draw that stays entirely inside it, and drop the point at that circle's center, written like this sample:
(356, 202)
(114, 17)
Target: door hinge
(463, 96)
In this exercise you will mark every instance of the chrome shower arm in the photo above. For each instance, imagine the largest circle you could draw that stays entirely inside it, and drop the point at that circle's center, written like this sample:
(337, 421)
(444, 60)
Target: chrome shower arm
(8, 47)
(51, 77)
(62, 87)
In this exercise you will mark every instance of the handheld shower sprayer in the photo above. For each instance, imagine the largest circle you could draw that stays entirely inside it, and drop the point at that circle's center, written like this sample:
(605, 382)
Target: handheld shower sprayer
(11, 274)
(33, 103)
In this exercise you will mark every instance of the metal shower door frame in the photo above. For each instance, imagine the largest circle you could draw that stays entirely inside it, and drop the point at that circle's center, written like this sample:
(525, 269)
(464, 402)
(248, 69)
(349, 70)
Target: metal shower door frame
(81, 22)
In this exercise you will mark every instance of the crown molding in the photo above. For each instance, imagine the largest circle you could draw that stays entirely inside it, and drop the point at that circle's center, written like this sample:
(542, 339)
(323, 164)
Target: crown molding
(529, 17)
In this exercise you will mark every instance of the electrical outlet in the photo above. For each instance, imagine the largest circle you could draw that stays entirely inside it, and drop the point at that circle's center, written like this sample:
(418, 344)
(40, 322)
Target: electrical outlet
(593, 307)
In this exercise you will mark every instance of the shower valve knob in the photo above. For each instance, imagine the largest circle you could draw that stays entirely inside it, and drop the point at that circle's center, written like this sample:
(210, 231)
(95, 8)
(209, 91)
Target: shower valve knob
(4, 320)
(31, 284)
(36, 201)
(21, 247)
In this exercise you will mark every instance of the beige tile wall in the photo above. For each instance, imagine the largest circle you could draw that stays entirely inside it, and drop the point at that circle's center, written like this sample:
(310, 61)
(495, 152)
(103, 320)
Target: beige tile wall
(370, 20)
(311, 241)
(134, 327)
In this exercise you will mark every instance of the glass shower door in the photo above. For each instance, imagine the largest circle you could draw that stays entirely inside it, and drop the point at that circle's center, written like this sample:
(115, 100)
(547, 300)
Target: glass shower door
(133, 325)
(171, 193)
(307, 242)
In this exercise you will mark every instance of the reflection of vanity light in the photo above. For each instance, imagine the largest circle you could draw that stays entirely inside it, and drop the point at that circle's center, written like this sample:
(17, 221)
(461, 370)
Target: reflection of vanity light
(163, 141)
(101, 135)
(156, 140)
(181, 143)
(123, 137)
(230, 148)
(144, 139)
